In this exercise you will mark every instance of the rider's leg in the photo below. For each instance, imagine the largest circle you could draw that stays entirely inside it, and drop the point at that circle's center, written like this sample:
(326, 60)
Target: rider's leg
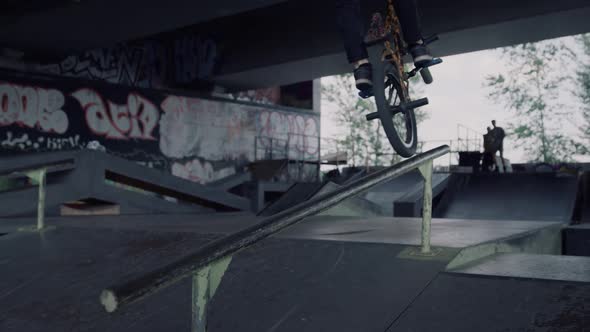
(348, 16)
(407, 11)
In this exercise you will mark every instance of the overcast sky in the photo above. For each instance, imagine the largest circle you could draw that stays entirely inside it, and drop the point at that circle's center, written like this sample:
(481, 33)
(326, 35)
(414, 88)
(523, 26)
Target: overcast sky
(457, 97)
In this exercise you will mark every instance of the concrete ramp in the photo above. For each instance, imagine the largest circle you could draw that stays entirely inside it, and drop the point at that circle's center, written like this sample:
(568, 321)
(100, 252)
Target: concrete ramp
(410, 204)
(78, 176)
(353, 207)
(539, 197)
(387, 194)
(402, 196)
(297, 193)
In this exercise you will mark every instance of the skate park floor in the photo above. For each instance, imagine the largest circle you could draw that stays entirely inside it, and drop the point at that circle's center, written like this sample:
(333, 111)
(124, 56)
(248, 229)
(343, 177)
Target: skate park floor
(327, 273)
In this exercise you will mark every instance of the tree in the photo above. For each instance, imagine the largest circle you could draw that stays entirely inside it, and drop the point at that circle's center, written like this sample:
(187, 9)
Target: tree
(341, 94)
(582, 90)
(531, 88)
(364, 141)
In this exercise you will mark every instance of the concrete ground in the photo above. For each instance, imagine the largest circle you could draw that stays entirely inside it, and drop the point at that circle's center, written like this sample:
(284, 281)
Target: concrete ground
(325, 274)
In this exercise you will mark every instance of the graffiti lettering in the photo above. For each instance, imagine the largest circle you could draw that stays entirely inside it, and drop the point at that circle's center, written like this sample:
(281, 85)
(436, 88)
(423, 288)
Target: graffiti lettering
(129, 65)
(194, 58)
(12, 142)
(137, 119)
(32, 107)
(300, 131)
(200, 172)
(63, 143)
(142, 64)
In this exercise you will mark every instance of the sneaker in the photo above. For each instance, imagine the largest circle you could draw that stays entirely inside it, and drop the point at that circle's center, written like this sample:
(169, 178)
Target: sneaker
(363, 77)
(421, 55)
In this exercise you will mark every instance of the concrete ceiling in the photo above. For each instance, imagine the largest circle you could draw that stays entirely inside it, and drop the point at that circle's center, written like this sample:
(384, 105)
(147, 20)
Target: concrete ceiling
(58, 27)
(272, 42)
(305, 44)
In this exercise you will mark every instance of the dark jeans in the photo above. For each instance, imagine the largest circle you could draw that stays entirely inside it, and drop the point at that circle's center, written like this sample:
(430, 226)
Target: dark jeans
(350, 24)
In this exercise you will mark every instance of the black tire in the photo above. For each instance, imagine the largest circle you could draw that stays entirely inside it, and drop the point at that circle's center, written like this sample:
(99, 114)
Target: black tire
(400, 128)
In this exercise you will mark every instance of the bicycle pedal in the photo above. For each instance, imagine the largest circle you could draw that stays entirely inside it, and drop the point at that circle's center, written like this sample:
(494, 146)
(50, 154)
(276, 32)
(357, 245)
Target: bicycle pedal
(433, 62)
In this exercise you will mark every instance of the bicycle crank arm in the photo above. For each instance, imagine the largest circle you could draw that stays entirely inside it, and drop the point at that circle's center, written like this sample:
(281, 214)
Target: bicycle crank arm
(399, 109)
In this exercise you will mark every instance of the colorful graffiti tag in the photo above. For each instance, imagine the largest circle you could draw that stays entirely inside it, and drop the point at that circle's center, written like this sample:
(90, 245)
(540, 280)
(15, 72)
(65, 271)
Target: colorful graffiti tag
(137, 118)
(198, 139)
(32, 107)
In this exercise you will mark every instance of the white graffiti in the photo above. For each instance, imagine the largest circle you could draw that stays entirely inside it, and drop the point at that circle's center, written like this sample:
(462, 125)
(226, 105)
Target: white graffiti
(130, 64)
(200, 172)
(24, 142)
(301, 132)
(136, 119)
(209, 129)
(32, 107)
(14, 141)
(62, 143)
(216, 130)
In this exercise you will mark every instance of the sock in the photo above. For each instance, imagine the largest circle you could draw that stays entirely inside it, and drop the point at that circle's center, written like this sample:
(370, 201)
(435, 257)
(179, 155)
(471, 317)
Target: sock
(360, 63)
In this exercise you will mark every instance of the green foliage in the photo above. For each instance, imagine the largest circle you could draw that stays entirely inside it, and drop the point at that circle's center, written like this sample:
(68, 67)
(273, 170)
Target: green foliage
(362, 141)
(531, 88)
(582, 89)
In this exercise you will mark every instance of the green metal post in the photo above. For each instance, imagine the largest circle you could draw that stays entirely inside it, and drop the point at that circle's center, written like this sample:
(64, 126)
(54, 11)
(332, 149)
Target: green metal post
(426, 171)
(205, 283)
(41, 203)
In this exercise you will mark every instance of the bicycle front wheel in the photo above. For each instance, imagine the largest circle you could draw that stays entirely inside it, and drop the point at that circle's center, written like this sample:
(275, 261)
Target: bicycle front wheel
(399, 126)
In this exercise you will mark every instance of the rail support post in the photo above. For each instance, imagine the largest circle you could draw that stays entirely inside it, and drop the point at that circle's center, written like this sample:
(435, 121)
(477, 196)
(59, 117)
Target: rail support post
(40, 177)
(205, 283)
(426, 172)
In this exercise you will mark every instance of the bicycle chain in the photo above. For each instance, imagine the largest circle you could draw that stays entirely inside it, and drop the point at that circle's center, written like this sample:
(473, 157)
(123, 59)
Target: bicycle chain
(393, 25)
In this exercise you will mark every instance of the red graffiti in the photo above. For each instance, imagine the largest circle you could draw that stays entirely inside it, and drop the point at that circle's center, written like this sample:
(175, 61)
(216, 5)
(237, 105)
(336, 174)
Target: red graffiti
(136, 119)
(32, 107)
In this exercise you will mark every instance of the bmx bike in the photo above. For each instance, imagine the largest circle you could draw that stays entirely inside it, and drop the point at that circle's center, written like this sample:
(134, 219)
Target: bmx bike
(391, 82)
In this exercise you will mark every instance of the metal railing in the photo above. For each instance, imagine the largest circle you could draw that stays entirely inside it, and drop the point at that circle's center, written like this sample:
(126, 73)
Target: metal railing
(208, 264)
(39, 177)
(295, 148)
(331, 146)
(468, 139)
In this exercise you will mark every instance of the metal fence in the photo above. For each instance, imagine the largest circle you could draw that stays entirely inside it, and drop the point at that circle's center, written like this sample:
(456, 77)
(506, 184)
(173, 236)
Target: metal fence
(302, 153)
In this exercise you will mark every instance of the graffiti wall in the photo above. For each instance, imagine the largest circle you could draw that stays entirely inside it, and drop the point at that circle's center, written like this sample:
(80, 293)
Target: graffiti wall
(150, 64)
(197, 139)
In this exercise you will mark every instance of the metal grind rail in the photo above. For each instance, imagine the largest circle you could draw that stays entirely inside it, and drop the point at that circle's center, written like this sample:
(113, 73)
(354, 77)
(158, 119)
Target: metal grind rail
(208, 264)
(38, 175)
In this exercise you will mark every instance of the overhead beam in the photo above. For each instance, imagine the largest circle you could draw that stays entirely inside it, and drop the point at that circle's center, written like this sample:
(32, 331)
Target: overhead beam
(455, 42)
(88, 24)
(285, 55)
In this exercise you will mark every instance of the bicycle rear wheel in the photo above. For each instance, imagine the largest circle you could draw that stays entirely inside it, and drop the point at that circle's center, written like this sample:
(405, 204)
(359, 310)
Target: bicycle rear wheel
(399, 126)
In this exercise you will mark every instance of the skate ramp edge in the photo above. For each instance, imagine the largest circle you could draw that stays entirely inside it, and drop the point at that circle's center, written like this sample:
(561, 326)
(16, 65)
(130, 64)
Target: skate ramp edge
(544, 240)
(356, 206)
